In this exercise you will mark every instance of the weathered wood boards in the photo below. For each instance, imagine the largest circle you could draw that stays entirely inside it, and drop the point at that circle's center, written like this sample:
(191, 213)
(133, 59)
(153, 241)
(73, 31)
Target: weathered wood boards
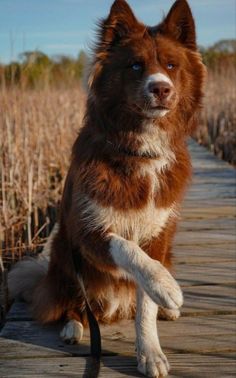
(194, 366)
(202, 343)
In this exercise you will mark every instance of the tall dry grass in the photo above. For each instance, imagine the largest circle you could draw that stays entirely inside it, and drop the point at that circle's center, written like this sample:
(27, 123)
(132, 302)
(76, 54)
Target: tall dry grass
(217, 130)
(37, 130)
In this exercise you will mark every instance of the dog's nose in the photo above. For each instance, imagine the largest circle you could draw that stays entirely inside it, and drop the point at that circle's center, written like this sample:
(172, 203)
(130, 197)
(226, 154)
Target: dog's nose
(160, 89)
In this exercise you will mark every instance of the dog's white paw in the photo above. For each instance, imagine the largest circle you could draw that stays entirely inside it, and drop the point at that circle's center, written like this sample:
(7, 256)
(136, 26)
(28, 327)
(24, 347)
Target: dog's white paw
(72, 332)
(152, 362)
(167, 314)
(161, 286)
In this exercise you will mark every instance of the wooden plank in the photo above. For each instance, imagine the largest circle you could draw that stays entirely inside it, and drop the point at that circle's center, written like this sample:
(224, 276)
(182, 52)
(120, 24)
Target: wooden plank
(204, 192)
(209, 300)
(207, 248)
(189, 365)
(215, 334)
(214, 177)
(188, 334)
(11, 349)
(118, 340)
(200, 343)
(202, 254)
(218, 324)
(208, 225)
(44, 336)
(209, 273)
(19, 311)
(207, 237)
(192, 214)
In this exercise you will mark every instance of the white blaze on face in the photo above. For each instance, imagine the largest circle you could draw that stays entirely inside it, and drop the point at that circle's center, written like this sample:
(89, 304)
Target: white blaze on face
(155, 78)
(158, 77)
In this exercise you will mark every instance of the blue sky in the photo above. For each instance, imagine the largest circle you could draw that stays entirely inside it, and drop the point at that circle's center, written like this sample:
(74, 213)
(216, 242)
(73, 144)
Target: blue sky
(67, 26)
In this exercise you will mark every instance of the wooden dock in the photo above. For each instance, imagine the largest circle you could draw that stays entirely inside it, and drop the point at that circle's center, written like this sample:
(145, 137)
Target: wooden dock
(202, 343)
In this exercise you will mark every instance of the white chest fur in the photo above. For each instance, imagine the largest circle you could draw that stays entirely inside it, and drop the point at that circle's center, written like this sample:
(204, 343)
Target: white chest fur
(137, 225)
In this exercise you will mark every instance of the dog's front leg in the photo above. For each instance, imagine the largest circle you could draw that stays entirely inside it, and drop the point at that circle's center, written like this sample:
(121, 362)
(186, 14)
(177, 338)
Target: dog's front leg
(149, 274)
(151, 360)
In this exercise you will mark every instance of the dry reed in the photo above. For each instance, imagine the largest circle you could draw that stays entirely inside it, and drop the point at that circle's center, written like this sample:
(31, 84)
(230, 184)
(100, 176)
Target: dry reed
(37, 130)
(217, 130)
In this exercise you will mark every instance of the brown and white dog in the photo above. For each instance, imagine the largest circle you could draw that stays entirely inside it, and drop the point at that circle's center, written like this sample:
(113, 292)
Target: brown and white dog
(128, 173)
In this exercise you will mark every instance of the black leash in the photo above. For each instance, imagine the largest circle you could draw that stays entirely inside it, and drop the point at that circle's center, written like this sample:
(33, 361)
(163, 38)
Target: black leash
(95, 335)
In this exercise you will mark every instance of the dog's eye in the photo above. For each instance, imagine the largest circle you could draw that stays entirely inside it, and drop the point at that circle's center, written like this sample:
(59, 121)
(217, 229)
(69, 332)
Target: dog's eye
(170, 66)
(136, 66)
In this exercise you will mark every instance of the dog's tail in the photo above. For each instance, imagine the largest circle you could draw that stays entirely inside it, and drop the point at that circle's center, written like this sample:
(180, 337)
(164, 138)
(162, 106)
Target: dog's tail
(27, 274)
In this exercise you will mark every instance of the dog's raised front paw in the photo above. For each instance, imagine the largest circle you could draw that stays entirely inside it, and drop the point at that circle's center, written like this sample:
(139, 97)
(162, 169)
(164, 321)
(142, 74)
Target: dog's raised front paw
(167, 314)
(152, 362)
(72, 332)
(161, 286)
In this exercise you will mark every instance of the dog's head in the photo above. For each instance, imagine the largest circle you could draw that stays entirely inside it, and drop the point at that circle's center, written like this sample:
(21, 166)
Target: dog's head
(150, 71)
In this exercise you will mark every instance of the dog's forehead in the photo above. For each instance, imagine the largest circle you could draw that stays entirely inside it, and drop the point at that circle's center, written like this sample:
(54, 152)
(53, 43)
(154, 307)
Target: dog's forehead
(166, 47)
(151, 44)
(140, 45)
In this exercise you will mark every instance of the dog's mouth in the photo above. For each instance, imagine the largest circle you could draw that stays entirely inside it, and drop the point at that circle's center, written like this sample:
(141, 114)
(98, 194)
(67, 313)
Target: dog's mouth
(157, 109)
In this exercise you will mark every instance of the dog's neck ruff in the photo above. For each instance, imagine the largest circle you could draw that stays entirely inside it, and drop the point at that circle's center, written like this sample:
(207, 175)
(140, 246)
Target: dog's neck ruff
(131, 153)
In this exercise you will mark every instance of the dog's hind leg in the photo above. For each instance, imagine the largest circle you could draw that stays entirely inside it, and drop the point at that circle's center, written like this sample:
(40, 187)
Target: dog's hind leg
(151, 360)
(72, 332)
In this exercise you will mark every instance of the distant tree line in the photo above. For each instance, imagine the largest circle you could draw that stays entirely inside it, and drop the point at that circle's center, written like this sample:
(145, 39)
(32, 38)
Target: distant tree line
(219, 55)
(35, 69)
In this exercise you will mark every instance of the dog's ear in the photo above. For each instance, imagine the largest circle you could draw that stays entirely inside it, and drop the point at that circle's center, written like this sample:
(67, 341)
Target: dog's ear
(179, 24)
(120, 22)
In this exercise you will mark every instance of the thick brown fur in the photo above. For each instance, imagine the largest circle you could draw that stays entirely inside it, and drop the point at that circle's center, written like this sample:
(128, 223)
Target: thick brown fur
(106, 160)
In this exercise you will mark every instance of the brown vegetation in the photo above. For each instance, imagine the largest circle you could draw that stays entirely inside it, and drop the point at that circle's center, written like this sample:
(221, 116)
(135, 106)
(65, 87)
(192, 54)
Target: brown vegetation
(217, 130)
(37, 129)
(38, 126)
